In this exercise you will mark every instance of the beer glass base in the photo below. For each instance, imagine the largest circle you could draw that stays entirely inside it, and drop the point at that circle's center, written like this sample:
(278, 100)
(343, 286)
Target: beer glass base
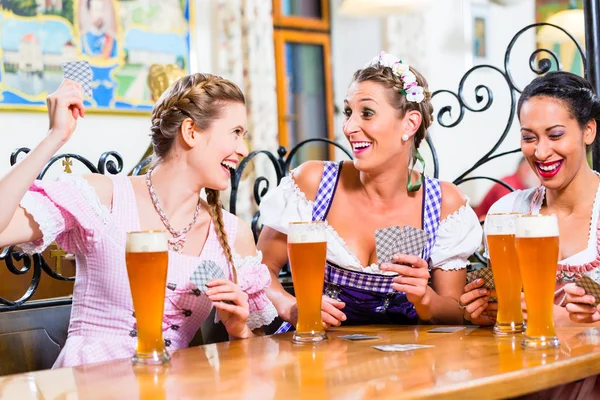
(154, 358)
(501, 329)
(309, 337)
(540, 342)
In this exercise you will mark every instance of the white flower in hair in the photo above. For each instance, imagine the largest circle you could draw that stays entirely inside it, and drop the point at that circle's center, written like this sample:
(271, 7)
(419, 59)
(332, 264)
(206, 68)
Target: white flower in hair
(408, 77)
(399, 68)
(415, 94)
(411, 88)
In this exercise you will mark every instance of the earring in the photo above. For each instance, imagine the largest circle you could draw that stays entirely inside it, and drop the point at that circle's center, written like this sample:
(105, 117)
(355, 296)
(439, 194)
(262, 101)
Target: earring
(405, 137)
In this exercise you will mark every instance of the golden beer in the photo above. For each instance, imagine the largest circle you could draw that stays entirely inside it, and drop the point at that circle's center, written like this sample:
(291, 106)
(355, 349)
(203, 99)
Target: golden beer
(536, 242)
(500, 235)
(147, 263)
(307, 255)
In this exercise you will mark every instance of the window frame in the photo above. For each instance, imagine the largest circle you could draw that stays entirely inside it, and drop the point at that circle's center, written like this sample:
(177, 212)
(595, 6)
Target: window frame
(297, 22)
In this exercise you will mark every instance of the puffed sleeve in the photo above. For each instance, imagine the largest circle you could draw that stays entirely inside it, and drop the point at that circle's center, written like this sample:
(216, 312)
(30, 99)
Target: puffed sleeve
(67, 211)
(284, 204)
(254, 278)
(459, 236)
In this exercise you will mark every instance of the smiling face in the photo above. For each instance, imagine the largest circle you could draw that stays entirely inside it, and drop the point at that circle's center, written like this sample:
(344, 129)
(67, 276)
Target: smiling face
(221, 147)
(552, 140)
(374, 127)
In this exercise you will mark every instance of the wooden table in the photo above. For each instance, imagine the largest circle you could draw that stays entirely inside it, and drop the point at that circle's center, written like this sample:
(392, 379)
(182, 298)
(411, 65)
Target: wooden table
(470, 363)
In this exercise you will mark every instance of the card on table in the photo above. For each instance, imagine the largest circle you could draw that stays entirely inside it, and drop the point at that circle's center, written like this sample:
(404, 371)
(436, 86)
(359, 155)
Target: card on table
(386, 243)
(590, 286)
(486, 274)
(413, 241)
(447, 329)
(402, 347)
(79, 71)
(358, 336)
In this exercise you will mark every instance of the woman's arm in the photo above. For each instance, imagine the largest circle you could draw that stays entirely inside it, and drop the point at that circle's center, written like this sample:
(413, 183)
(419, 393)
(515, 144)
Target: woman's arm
(273, 244)
(441, 301)
(64, 107)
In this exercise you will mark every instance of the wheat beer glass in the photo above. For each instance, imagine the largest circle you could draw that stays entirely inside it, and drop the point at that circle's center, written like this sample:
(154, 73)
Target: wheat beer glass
(147, 261)
(307, 252)
(500, 234)
(536, 241)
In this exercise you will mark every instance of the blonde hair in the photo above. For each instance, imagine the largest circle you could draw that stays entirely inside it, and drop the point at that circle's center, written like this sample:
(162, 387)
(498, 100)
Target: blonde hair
(386, 77)
(201, 98)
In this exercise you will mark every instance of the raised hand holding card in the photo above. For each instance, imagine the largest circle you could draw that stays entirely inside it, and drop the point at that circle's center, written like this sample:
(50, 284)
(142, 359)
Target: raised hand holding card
(79, 71)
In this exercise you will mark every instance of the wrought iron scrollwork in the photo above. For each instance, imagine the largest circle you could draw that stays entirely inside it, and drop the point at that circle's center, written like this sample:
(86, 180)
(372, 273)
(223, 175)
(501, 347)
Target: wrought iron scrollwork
(484, 96)
(540, 61)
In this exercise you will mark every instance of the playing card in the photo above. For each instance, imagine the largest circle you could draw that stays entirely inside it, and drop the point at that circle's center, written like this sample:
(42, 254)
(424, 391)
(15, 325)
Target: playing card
(386, 243)
(402, 347)
(79, 71)
(486, 274)
(447, 329)
(358, 336)
(413, 241)
(590, 286)
(207, 271)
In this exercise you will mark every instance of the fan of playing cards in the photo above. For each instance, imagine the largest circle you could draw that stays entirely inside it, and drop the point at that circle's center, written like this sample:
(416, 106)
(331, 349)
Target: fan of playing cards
(395, 240)
(207, 271)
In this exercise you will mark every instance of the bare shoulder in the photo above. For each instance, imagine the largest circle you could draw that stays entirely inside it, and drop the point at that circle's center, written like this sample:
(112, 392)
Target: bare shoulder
(244, 239)
(452, 199)
(308, 177)
(103, 186)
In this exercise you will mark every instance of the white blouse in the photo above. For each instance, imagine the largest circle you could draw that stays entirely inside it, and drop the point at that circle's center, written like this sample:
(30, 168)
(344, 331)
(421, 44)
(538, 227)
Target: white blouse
(459, 235)
(507, 204)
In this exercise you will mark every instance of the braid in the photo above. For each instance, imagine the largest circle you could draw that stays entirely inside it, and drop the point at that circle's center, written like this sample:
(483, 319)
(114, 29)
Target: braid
(216, 212)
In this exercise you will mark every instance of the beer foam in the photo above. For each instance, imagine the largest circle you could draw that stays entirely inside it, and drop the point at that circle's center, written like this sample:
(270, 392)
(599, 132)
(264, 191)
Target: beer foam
(307, 233)
(501, 224)
(537, 226)
(146, 242)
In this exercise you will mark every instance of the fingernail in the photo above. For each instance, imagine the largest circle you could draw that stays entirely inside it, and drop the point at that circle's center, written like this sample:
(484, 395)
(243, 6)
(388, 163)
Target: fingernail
(479, 280)
(482, 291)
(344, 318)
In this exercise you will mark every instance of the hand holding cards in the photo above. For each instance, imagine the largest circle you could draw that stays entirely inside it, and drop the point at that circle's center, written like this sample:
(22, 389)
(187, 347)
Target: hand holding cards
(395, 240)
(207, 271)
(591, 288)
(484, 273)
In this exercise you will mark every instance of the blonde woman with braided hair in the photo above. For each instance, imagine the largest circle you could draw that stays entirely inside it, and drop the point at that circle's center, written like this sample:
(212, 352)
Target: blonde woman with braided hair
(198, 125)
(388, 111)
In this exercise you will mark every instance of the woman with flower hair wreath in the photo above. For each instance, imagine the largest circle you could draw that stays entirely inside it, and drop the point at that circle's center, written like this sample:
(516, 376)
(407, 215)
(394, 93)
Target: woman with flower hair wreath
(198, 125)
(388, 111)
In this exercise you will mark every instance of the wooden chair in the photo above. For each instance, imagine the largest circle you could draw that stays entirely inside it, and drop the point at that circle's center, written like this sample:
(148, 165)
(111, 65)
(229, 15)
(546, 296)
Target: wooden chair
(31, 338)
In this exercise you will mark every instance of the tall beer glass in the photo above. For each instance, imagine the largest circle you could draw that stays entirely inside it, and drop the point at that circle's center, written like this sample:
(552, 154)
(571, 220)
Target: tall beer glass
(307, 252)
(500, 234)
(147, 261)
(536, 241)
